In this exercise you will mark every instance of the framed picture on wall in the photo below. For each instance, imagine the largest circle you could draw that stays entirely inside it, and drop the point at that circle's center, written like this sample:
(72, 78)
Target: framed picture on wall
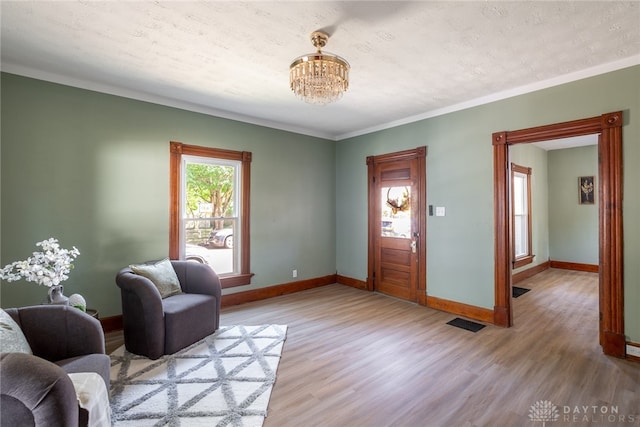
(586, 188)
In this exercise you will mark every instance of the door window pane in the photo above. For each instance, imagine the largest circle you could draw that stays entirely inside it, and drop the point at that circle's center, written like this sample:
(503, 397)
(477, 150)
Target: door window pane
(396, 212)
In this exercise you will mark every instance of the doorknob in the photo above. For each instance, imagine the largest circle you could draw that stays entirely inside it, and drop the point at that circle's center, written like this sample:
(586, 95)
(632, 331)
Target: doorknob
(414, 245)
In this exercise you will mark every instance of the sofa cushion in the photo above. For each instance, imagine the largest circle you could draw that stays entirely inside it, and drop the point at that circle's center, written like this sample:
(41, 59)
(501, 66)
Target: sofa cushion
(188, 318)
(162, 275)
(12, 340)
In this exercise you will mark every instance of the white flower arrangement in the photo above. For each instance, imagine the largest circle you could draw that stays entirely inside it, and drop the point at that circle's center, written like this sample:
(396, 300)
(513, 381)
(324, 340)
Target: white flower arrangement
(48, 268)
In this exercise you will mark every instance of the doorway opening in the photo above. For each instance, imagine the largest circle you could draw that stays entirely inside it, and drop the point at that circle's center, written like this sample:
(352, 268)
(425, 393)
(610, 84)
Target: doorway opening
(610, 239)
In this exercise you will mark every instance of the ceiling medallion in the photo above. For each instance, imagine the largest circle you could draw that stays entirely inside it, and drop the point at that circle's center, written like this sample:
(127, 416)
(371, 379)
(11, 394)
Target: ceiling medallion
(319, 78)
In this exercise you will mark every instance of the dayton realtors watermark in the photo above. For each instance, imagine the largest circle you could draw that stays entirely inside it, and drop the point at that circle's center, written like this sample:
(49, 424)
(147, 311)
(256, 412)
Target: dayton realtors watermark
(546, 412)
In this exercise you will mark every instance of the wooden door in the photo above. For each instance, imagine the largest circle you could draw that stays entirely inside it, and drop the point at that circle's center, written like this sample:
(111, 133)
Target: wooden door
(397, 255)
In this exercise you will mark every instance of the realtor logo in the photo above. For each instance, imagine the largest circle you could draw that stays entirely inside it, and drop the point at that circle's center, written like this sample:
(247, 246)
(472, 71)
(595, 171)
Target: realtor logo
(544, 411)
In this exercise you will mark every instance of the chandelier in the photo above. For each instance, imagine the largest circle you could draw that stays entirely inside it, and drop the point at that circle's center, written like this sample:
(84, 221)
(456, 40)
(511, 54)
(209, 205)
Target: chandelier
(319, 78)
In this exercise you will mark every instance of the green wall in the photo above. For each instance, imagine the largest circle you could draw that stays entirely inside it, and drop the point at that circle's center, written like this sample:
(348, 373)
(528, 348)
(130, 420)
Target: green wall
(530, 156)
(573, 228)
(93, 171)
(460, 178)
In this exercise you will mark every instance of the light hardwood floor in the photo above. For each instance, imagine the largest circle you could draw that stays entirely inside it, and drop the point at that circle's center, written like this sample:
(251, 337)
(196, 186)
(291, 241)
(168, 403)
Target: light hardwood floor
(354, 358)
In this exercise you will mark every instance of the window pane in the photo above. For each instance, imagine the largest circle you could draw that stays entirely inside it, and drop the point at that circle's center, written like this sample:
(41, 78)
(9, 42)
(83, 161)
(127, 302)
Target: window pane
(521, 235)
(221, 253)
(210, 189)
(519, 194)
(210, 216)
(396, 212)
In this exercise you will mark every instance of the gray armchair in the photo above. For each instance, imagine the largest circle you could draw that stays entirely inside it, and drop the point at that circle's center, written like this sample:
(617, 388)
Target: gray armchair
(154, 326)
(35, 390)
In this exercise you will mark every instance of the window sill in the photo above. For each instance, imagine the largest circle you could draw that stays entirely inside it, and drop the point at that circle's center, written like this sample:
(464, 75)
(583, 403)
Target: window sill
(235, 280)
(519, 262)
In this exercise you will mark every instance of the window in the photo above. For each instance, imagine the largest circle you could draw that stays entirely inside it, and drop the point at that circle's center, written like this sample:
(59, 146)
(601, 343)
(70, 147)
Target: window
(521, 218)
(396, 212)
(209, 212)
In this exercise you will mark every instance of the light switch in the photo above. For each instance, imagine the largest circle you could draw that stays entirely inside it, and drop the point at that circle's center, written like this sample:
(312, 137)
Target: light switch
(439, 210)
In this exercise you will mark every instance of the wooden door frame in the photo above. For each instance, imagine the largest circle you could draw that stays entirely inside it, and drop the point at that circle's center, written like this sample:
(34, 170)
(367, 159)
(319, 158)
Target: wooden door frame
(610, 236)
(420, 154)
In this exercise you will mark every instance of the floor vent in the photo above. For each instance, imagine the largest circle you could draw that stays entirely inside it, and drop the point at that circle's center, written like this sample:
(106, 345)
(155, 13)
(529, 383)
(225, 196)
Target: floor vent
(517, 292)
(466, 324)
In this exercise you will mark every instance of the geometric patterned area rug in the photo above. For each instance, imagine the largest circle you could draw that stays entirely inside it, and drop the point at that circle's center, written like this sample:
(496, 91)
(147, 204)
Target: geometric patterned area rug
(223, 380)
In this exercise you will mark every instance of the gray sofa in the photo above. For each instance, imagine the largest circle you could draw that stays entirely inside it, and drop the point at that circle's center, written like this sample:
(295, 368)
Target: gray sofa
(154, 326)
(35, 390)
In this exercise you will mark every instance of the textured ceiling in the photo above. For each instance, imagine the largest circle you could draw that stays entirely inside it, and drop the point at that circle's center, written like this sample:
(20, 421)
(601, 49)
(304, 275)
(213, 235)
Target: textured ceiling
(409, 60)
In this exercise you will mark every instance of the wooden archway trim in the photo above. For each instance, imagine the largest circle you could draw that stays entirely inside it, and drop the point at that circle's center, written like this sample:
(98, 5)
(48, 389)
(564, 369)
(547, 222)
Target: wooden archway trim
(609, 127)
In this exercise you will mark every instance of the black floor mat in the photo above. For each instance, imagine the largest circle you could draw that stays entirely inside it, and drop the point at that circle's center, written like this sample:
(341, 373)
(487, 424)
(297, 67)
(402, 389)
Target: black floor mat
(466, 324)
(516, 291)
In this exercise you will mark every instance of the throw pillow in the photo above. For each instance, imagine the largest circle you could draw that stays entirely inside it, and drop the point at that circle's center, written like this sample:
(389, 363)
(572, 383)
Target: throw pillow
(162, 275)
(12, 340)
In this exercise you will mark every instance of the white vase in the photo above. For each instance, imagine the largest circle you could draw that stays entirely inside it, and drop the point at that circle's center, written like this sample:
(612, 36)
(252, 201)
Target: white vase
(56, 296)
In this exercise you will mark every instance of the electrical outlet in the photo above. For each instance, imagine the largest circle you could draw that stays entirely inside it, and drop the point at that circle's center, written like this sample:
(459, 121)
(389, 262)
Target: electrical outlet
(632, 350)
(294, 273)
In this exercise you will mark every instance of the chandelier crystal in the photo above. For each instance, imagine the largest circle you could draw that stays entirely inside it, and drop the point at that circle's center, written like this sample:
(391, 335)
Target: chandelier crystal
(319, 78)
